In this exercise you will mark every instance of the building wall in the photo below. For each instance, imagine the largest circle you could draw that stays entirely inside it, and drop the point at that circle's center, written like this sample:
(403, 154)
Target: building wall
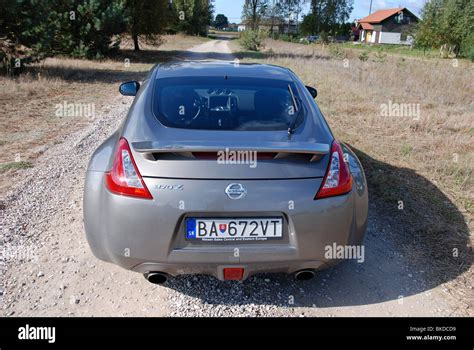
(368, 36)
(389, 38)
(394, 38)
(391, 25)
(377, 27)
(373, 36)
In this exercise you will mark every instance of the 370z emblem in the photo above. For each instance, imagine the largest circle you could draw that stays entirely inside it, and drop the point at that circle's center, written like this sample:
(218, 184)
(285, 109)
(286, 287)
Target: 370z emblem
(170, 187)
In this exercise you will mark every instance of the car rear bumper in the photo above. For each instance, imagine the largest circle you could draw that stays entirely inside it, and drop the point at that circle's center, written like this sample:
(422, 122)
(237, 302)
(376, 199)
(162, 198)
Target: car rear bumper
(148, 235)
(217, 270)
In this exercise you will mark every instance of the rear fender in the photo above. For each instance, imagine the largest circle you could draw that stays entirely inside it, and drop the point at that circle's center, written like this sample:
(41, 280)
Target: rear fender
(361, 200)
(102, 158)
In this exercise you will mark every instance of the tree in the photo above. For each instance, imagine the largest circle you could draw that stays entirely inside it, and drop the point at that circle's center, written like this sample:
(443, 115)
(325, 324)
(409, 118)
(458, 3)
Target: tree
(83, 29)
(327, 15)
(193, 16)
(221, 21)
(69, 27)
(184, 11)
(22, 21)
(308, 24)
(274, 15)
(202, 17)
(147, 17)
(253, 11)
(19, 20)
(429, 34)
(291, 10)
(447, 22)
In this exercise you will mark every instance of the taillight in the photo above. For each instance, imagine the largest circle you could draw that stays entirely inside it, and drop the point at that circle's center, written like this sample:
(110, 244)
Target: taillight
(338, 179)
(124, 178)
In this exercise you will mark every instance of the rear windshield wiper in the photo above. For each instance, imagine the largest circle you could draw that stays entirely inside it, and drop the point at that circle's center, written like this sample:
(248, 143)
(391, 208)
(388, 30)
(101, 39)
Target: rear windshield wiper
(291, 127)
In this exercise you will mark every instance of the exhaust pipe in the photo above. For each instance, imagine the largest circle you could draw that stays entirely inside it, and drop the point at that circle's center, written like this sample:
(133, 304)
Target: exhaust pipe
(156, 277)
(304, 275)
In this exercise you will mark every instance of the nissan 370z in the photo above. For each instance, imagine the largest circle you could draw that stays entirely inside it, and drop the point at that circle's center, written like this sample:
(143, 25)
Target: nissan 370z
(226, 170)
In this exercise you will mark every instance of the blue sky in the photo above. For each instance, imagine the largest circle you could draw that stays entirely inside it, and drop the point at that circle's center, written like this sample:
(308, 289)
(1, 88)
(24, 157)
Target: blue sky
(233, 8)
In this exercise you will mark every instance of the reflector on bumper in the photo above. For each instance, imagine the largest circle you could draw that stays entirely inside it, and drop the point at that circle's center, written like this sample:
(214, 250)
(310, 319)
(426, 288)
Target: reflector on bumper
(233, 273)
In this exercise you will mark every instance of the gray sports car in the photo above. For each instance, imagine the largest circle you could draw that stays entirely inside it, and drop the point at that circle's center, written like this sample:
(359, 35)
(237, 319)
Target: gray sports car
(223, 169)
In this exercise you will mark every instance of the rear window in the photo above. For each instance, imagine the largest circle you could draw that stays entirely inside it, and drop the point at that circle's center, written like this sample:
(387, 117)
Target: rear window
(226, 103)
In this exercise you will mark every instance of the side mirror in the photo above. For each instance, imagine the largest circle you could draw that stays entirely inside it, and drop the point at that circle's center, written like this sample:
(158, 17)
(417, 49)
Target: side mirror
(312, 91)
(130, 88)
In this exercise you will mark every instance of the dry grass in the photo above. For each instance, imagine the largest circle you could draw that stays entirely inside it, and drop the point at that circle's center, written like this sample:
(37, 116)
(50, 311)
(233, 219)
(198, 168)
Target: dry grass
(427, 163)
(28, 123)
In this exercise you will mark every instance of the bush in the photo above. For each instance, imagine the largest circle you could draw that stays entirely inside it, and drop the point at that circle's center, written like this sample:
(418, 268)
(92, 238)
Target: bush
(89, 34)
(380, 57)
(364, 56)
(337, 51)
(467, 47)
(289, 38)
(324, 37)
(67, 27)
(252, 39)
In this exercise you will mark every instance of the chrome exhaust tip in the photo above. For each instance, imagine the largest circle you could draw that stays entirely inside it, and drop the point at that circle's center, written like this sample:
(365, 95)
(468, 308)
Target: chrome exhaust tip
(156, 277)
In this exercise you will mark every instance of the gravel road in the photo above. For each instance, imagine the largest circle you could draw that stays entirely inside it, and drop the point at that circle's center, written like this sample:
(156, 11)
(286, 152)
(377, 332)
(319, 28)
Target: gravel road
(48, 269)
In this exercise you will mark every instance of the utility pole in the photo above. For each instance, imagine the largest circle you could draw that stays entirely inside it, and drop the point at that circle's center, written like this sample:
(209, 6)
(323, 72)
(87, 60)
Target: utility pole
(370, 9)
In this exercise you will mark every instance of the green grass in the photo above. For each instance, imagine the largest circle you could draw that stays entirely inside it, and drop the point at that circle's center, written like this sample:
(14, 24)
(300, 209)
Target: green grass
(15, 166)
(403, 50)
(406, 150)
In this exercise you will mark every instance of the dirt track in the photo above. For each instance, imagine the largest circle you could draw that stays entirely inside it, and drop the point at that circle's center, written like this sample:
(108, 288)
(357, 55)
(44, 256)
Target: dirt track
(44, 212)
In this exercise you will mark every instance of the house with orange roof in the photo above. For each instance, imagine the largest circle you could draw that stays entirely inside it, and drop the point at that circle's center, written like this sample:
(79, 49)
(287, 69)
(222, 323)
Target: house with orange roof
(389, 26)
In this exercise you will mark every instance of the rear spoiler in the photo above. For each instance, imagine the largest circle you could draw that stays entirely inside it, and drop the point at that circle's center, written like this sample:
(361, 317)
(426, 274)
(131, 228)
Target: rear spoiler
(316, 149)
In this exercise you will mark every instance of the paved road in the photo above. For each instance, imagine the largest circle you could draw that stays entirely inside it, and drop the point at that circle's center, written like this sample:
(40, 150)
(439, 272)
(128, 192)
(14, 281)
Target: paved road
(43, 215)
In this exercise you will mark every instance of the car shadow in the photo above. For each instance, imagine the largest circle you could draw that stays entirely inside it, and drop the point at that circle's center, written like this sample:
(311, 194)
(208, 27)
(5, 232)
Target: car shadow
(407, 252)
(156, 56)
(271, 54)
(87, 75)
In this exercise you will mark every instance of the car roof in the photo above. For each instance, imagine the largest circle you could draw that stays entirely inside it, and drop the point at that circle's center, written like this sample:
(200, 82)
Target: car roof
(221, 68)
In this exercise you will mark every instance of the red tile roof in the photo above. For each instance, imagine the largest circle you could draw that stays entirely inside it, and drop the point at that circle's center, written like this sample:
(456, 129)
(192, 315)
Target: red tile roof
(380, 15)
(367, 26)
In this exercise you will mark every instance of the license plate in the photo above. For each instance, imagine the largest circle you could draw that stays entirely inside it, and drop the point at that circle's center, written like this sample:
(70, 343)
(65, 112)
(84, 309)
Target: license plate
(235, 229)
